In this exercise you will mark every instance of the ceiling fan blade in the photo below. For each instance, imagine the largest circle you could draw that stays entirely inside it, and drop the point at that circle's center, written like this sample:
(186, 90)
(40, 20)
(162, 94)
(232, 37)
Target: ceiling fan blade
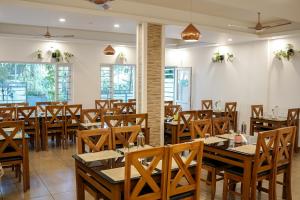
(237, 26)
(277, 25)
(63, 36)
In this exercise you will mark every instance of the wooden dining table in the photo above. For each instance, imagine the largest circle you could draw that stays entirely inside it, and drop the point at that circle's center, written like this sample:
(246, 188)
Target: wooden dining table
(106, 174)
(268, 122)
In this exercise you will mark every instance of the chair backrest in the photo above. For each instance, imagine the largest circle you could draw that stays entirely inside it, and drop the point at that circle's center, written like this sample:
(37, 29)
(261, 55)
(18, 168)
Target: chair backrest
(147, 186)
(293, 117)
(54, 114)
(23, 104)
(207, 104)
(59, 103)
(91, 115)
(7, 114)
(9, 132)
(168, 103)
(113, 101)
(220, 125)
(172, 110)
(73, 114)
(205, 114)
(176, 184)
(126, 108)
(113, 121)
(132, 100)
(96, 140)
(286, 138)
(230, 112)
(102, 104)
(201, 127)
(257, 111)
(265, 153)
(110, 111)
(41, 106)
(124, 135)
(137, 119)
(29, 116)
(184, 121)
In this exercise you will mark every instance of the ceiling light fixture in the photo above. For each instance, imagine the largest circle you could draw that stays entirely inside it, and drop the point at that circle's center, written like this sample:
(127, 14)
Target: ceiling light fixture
(62, 20)
(117, 25)
(190, 33)
(109, 50)
(229, 39)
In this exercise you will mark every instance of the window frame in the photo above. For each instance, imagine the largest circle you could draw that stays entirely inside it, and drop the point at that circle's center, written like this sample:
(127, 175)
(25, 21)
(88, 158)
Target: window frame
(70, 65)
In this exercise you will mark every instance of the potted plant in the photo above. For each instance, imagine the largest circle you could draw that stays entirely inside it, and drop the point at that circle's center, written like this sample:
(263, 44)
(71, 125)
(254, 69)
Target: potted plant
(57, 55)
(288, 53)
(230, 57)
(68, 56)
(218, 58)
(39, 54)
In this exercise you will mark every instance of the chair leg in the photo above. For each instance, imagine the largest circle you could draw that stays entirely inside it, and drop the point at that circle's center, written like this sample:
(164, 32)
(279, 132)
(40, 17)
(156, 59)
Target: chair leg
(259, 186)
(213, 183)
(225, 187)
(271, 189)
(288, 185)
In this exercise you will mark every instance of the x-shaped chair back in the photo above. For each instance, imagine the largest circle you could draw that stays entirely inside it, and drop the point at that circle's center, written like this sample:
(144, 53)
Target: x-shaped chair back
(111, 121)
(113, 101)
(9, 133)
(102, 104)
(293, 117)
(54, 115)
(172, 110)
(91, 115)
(230, 112)
(265, 154)
(126, 108)
(28, 115)
(286, 137)
(96, 140)
(41, 106)
(220, 125)
(110, 111)
(184, 121)
(168, 103)
(175, 183)
(7, 113)
(257, 111)
(73, 114)
(156, 189)
(137, 119)
(201, 127)
(207, 104)
(124, 135)
(205, 114)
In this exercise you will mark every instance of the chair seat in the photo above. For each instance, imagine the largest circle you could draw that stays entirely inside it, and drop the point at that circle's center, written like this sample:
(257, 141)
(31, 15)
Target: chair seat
(240, 171)
(214, 163)
(182, 196)
(10, 159)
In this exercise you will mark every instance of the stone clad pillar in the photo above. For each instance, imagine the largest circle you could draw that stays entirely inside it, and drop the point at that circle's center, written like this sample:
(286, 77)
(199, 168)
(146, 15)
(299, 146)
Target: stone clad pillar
(150, 77)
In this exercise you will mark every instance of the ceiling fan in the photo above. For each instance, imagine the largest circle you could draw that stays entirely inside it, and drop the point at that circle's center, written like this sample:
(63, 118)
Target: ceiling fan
(103, 3)
(48, 35)
(259, 27)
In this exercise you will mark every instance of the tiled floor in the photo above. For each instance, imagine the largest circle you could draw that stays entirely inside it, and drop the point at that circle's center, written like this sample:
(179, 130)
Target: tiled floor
(52, 177)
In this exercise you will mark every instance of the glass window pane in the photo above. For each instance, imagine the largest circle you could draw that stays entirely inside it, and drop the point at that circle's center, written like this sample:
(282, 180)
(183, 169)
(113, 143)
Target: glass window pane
(169, 83)
(124, 82)
(105, 84)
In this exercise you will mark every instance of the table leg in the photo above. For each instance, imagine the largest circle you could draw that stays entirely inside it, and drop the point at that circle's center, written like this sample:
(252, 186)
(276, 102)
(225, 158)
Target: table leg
(26, 176)
(247, 180)
(174, 134)
(79, 185)
(251, 127)
(116, 195)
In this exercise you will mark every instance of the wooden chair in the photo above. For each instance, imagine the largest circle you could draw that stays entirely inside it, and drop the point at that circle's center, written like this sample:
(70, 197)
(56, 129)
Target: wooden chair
(172, 110)
(122, 136)
(110, 111)
(13, 151)
(91, 115)
(264, 167)
(126, 108)
(96, 140)
(214, 168)
(183, 126)
(230, 112)
(55, 125)
(113, 101)
(168, 103)
(31, 124)
(204, 114)
(111, 121)
(141, 120)
(257, 111)
(201, 127)
(23, 104)
(207, 104)
(102, 104)
(184, 183)
(293, 120)
(7, 114)
(147, 186)
(220, 125)
(41, 106)
(72, 115)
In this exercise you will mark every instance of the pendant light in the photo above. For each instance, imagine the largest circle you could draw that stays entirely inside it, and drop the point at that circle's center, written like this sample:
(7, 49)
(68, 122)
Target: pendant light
(109, 51)
(190, 33)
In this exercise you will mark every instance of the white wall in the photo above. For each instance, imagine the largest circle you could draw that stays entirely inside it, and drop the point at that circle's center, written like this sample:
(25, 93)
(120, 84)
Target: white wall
(85, 64)
(254, 77)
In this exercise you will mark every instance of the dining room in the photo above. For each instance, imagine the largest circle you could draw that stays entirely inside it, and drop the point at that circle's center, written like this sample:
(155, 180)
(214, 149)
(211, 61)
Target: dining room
(149, 99)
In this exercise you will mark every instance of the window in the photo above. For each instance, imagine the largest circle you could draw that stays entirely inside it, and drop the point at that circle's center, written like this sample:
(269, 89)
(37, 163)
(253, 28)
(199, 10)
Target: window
(33, 82)
(169, 83)
(117, 82)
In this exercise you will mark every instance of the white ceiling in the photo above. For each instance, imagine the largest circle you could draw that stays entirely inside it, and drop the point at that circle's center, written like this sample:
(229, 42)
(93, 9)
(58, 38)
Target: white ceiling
(210, 16)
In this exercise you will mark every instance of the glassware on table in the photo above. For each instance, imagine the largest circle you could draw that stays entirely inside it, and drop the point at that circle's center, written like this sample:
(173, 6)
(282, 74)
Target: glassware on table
(130, 146)
(207, 135)
(244, 128)
(140, 140)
